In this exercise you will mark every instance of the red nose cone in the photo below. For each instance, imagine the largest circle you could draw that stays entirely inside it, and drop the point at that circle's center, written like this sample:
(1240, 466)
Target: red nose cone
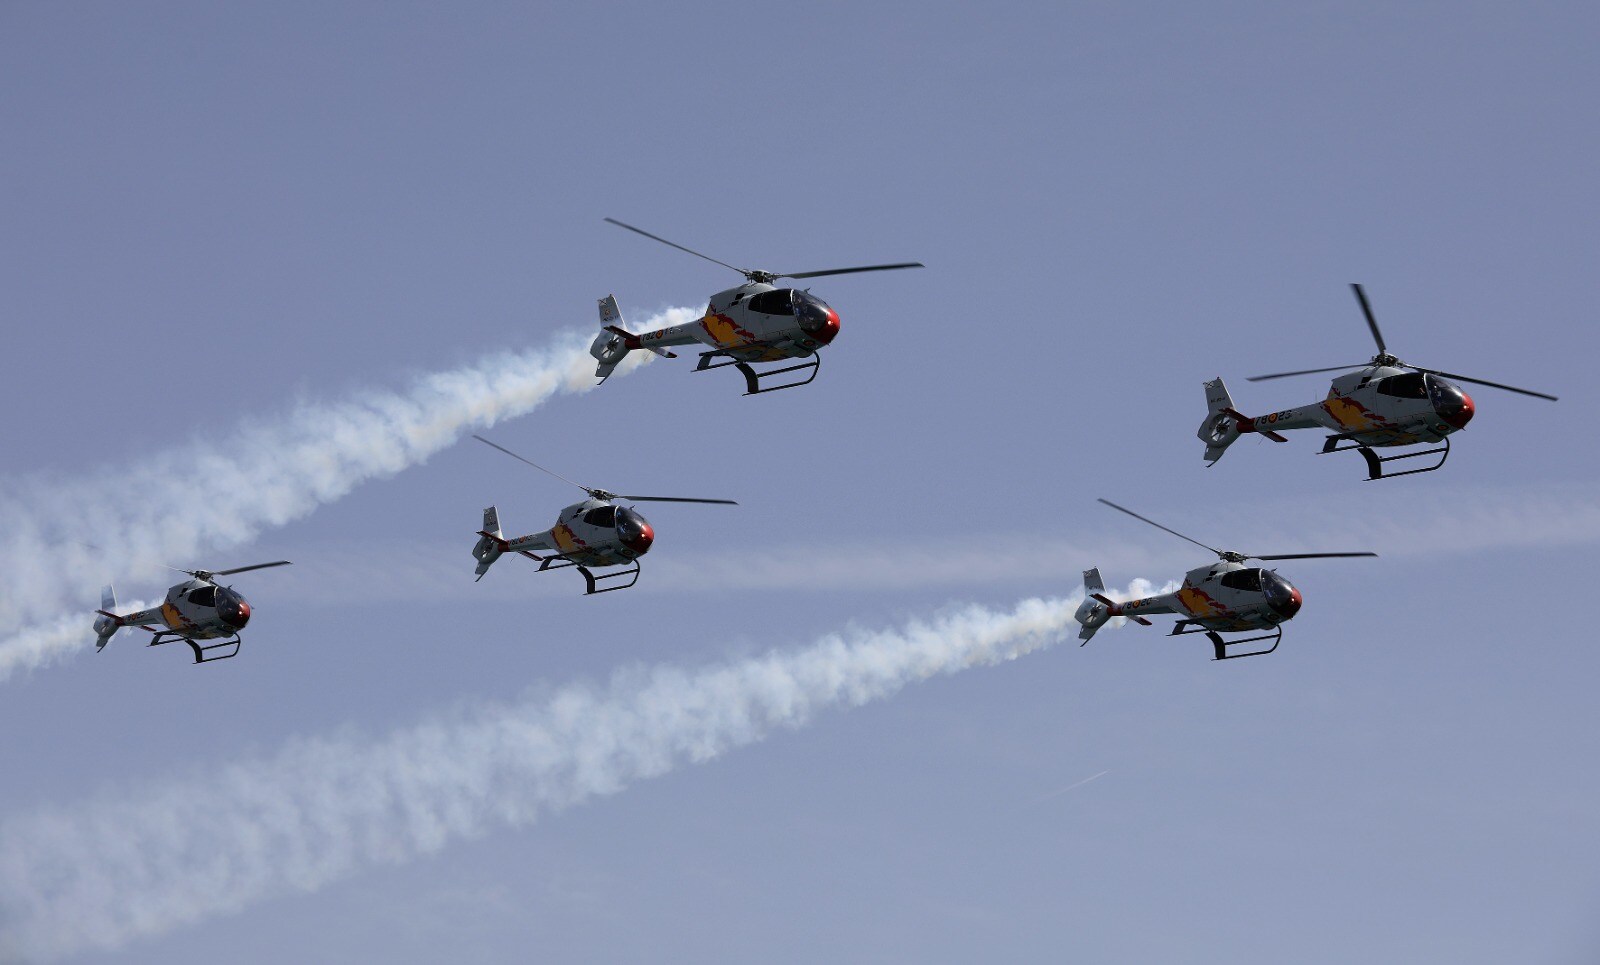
(1293, 606)
(830, 328)
(238, 616)
(640, 544)
(1460, 413)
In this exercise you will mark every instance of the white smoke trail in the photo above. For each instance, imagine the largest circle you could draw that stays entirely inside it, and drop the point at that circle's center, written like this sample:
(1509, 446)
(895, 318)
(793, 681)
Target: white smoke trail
(207, 496)
(43, 645)
(101, 873)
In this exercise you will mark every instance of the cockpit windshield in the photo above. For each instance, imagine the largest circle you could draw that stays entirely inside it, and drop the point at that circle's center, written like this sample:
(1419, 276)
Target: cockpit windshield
(1275, 587)
(634, 532)
(816, 318)
(1281, 596)
(232, 608)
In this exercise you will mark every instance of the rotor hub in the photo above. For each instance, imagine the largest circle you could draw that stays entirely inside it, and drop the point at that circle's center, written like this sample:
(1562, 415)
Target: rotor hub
(1229, 556)
(760, 277)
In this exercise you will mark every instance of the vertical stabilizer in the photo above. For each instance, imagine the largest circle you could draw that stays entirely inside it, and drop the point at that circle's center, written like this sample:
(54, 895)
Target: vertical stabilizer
(491, 543)
(1092, 613)
(106, 624)
(1221, 426)
(614, 342)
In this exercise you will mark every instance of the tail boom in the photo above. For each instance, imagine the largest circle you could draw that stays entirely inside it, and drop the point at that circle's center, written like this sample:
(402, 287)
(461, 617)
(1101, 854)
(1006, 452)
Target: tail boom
(1097, 609)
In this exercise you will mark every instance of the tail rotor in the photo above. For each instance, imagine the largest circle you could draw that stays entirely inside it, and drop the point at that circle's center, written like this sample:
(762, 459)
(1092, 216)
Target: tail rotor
(1092, 613)
(107, 623)
(491, 542)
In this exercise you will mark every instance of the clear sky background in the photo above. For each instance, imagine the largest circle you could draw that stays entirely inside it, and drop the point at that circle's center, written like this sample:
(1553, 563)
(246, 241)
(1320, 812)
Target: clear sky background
(214, 213)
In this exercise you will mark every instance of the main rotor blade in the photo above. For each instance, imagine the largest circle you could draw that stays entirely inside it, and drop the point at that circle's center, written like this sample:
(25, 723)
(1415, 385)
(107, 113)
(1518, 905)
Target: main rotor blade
(1159, 526)
(1496, 385)
(677, 499)
(1372, 323)
(246, 569)
(530, 462)
(851, 271)
(1284, 375)
(673, 244)
(1306, 556)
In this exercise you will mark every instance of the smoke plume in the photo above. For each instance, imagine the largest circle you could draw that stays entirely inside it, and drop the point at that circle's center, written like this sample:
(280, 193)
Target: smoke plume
(200, 498)
(103, 872)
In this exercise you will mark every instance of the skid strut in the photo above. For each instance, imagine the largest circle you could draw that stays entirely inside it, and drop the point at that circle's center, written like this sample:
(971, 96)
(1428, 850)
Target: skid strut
(203, 653)
(1221, 646)
(589, 576)
(752, 378)
(1375, 462)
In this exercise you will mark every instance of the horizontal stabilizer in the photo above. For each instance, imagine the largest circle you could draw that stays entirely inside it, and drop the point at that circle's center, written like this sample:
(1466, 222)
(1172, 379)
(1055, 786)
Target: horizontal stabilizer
(632, 342)
(1247, 424)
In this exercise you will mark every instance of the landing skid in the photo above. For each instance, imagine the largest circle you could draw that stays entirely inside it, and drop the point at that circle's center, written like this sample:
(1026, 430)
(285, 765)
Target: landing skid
(589, 576)
(202, 653)
(752, 378)
(1375, 462)
(1221, 646)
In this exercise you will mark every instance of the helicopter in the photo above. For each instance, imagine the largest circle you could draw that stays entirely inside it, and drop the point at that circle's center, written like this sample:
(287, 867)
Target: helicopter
(751, 324)
(1386, 403)
(195, 610)
(588, 535)
(1222, 597)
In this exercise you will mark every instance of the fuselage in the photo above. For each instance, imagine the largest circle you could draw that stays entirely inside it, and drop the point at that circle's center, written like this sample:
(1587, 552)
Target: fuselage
(1224, 596)
(596, 532)
(1381, 405)
(200, 610)
(756, 322)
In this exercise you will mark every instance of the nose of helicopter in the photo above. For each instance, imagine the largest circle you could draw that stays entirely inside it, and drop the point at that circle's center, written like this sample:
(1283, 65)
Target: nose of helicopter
(1452, 405)
(817, 318)
(234, 610)
(830, 327)
(1287, 606)
(1456, 411)
(634, 532)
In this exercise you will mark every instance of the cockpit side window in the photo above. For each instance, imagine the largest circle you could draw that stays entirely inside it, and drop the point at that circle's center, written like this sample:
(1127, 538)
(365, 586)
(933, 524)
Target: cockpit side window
(775, 302)
(1412, 385)
(205, 596)
(601, 516)
(1243, 580)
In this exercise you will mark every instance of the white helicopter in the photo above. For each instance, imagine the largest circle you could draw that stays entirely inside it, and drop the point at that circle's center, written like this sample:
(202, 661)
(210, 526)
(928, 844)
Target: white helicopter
(755, 322)
(1386, 403)
(195, 610)
(1223, 597)
(588, 535)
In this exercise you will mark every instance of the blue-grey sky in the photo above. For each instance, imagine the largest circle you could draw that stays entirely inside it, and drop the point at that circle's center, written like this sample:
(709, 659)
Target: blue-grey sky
(216, 214)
